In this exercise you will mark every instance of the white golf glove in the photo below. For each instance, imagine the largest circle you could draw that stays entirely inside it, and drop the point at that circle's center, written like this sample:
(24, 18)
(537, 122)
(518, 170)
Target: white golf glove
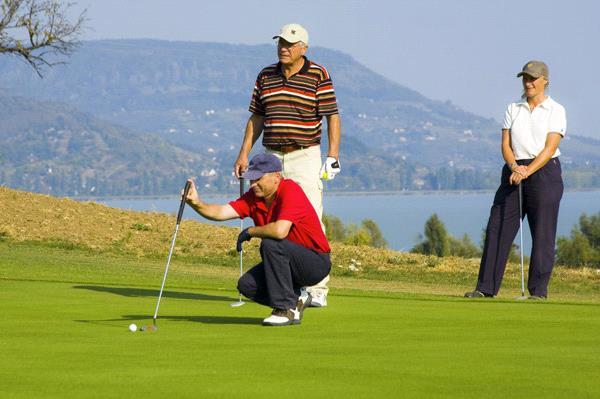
(330, 168)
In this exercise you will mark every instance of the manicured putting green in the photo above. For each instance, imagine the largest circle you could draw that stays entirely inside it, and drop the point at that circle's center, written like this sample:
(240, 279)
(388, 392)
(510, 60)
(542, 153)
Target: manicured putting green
(72, 340)
(65, 313)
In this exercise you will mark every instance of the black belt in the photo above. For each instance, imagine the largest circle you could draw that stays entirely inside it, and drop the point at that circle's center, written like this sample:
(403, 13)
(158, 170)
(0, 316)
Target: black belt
(286, 149)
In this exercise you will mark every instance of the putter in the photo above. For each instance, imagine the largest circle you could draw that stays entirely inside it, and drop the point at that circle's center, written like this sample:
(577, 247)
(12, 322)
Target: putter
(522, 297)
(239, 302)
(154, 327)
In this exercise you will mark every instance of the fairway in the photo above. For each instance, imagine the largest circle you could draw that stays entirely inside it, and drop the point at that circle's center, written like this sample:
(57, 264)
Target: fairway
(64, 334)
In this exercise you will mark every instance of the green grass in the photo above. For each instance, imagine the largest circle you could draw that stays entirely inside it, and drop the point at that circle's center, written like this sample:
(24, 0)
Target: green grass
(65, 312)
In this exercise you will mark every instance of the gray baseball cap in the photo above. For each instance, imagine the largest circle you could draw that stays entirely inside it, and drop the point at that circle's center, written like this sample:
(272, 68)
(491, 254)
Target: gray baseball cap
(262, 164)
(535, 69)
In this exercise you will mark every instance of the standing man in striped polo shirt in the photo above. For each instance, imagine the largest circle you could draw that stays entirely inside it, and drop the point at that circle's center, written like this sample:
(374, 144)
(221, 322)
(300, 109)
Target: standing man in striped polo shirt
(290, 99)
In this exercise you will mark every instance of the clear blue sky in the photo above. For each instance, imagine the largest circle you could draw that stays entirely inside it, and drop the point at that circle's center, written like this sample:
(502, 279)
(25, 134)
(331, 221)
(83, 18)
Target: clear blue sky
(465, 51)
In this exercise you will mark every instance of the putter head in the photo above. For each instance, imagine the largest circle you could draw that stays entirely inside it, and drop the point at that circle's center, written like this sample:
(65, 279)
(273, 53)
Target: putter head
(237, 304)
(521, 298)
(149, 328)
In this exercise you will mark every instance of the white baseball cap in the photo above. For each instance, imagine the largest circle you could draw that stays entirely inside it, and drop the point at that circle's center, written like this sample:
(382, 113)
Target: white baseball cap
(293, 33)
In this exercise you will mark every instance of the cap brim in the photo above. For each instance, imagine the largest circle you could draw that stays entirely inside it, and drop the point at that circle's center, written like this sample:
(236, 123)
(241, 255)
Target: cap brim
(287, 39)
(533, 75)
(253, 174)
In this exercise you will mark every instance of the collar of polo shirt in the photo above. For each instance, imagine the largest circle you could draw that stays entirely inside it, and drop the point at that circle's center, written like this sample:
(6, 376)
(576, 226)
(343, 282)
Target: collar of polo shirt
(304, 68)
(547, 103)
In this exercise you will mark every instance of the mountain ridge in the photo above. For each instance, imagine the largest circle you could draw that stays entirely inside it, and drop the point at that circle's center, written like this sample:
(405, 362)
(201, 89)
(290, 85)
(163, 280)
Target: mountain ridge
(194, 95)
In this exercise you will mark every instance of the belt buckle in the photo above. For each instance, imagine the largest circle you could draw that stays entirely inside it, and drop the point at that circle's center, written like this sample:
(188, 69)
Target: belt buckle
(286, 149)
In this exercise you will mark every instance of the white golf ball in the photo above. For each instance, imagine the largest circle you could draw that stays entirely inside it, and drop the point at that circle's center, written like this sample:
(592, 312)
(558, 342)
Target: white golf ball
(132, 328)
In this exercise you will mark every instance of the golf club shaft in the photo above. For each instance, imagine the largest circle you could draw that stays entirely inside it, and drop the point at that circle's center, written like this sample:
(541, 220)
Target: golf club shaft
(179, 216)
(241, 257)
(166, 270)
(521, 237)
(241, 228)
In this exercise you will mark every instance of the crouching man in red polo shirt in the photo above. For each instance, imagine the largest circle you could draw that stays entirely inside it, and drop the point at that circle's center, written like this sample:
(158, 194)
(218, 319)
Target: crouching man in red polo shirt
(294, 250)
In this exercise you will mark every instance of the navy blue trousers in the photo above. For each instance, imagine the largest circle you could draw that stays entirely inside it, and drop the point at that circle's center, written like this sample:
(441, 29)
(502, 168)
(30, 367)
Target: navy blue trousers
(542, 192)
(285, 268)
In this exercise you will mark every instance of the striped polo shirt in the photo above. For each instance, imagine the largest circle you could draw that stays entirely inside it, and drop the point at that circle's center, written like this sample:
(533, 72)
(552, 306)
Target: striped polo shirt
(293, 108)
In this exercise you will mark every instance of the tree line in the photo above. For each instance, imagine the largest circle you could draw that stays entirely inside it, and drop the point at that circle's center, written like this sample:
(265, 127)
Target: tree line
(367, 233)
(581, 248)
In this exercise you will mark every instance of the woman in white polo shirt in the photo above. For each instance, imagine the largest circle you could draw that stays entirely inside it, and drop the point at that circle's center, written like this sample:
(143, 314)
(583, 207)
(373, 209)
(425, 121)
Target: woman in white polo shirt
(531, 132)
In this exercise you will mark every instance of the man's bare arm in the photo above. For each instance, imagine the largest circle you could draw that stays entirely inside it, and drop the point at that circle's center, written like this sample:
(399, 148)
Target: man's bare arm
(209, 211)
(333, 135)
(254, 129)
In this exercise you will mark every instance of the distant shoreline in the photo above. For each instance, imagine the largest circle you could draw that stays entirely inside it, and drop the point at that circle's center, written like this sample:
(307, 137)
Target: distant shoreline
(326, 193)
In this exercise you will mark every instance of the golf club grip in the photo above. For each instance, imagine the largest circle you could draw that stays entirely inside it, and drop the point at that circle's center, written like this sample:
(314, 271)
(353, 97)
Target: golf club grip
(241, 186)
(186, 190)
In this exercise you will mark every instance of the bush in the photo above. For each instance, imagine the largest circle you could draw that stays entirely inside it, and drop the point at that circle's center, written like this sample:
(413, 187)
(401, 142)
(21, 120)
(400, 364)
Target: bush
(436, 238)
(334, 228)
(438, 242)
(372, 229)
(590, 227)
(575, 251)
(464, 247)
(141, 227)
(357, 236)
(368, 233)
(583, 247)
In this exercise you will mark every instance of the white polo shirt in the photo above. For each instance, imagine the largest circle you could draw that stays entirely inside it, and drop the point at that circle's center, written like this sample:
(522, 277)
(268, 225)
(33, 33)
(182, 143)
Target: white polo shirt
(528, 130)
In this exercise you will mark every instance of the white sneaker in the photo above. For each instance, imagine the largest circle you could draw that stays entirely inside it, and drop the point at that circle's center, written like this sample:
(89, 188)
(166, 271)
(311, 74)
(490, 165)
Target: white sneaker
(318, 299)
(280, 317)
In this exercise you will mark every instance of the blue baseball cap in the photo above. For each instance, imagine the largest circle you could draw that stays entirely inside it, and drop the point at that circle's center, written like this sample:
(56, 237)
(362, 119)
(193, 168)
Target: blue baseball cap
(260, 165)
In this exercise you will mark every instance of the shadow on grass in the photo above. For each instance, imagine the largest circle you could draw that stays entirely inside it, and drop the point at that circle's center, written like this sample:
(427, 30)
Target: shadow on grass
(147, 320)
(142, 292)
(203, 319)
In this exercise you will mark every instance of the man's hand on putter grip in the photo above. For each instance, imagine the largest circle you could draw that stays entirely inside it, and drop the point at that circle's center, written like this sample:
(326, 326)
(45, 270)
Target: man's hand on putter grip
(240, 166)
(243, 236)
(192, 196)
(330, 168)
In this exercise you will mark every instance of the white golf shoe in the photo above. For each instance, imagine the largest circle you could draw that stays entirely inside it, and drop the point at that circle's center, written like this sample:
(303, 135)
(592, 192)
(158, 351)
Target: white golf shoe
(318, 299)
(281, 317)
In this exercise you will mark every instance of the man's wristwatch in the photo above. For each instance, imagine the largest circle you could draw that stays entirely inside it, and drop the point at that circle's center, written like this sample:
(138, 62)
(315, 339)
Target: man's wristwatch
(512, 165)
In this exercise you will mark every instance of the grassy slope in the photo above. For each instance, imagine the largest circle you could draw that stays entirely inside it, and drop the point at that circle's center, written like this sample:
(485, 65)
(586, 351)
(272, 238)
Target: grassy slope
(397, 328)
(27, 217)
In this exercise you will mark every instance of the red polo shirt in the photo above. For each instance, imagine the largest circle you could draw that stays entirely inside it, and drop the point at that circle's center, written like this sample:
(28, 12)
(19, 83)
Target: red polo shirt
(290, 204)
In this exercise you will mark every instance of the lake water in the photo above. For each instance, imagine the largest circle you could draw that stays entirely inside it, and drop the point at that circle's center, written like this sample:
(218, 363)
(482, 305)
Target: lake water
(401, 217)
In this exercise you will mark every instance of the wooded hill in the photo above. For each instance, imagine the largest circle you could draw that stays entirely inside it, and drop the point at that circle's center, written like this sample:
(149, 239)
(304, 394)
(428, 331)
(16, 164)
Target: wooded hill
(195, 97)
